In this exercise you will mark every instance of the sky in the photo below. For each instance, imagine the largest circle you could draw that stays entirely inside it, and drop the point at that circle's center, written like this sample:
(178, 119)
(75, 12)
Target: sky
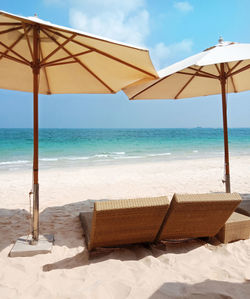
(172, 30)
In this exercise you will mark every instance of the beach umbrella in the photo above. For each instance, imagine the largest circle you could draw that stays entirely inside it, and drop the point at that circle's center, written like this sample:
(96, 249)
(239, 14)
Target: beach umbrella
(37, 56)
(222, 68)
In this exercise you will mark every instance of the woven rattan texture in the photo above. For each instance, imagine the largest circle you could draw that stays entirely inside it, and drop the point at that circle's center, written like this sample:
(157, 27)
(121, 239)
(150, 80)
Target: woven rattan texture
(128, 221)
(198, 215)
(207, 197)
(130, 203)
(236, 228)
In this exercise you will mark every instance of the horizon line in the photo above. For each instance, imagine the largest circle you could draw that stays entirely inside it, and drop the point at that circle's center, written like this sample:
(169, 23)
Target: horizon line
(121, 128)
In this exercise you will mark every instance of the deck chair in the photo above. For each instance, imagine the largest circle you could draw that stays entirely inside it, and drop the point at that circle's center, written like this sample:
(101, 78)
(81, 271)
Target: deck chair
(120, 222)
(197, 215)
(237, 227)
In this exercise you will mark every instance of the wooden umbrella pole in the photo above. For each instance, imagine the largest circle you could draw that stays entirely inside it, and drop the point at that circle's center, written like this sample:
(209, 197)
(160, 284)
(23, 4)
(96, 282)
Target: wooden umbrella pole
(36, 70)
(224, 109)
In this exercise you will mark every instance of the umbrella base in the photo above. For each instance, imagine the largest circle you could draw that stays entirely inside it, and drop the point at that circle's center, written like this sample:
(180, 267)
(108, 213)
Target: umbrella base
(23, 247)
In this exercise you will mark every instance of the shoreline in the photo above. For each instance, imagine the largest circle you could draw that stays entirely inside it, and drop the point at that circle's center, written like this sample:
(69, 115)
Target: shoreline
(93, 147)
(124, 180)
(78, 163)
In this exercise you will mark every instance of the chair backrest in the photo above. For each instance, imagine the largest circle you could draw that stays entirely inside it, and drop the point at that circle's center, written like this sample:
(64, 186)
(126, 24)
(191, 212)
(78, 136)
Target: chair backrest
(197, 215)
(118, 222)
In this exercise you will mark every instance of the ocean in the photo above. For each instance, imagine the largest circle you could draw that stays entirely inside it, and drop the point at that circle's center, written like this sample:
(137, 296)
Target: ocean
(87, 147)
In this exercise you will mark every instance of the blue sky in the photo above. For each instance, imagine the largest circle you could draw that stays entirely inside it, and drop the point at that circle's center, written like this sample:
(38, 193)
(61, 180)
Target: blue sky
(171, 30)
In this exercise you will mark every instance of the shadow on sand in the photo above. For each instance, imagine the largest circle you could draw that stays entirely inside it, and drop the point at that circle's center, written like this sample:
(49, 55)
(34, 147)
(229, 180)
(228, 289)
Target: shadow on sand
(13, 224)
(209, 289)
(125, 253)
(63, 222)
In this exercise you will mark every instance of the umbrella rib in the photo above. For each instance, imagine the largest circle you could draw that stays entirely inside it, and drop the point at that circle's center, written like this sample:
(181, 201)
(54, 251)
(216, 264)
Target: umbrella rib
(58, 48)
(13, 45)
(187, 83)
(11, 29)
(65, 58)
(14, 52)
(68, 30)
(27, 38)
(105, 54)
(240, 70)
(217, 68)
(203, 72)
(9, 23)
(61, 63)
(82, 64)
(232, 80)
(146, 88)
(237, 64)
(14, 58)
(45, 71)
(199, 75)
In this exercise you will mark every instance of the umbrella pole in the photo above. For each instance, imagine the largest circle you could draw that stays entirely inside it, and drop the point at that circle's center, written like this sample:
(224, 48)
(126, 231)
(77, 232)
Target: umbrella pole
(36, 69)
(224, 110)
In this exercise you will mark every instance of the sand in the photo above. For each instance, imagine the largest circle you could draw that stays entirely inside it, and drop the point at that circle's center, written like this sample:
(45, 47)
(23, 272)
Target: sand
(194, 269)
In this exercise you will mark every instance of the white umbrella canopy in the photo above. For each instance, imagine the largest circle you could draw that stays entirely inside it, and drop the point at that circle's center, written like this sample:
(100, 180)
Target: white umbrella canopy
(199, 75)
(40, 57)
(70, 61)
(217, 70)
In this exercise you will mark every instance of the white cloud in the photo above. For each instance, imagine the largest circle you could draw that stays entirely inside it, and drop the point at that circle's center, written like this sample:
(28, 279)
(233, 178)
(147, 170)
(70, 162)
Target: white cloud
(163, 55)
(126, 21)
(183, 46)
(130, 29)
(183, 6)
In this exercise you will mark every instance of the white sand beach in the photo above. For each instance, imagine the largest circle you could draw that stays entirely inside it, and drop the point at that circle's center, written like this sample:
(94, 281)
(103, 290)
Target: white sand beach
(193, 269)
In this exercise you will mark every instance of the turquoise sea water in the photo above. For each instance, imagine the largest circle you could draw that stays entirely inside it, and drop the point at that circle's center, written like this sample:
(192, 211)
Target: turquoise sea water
(83, 147)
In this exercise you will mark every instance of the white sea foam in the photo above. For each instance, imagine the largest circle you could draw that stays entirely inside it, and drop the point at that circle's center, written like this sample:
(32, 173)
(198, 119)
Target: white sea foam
(101, 156)
(119, 153)
(14, 162)
(48, 159)
(76, 158)
(162, 154)
(130, 157)
(195, 151)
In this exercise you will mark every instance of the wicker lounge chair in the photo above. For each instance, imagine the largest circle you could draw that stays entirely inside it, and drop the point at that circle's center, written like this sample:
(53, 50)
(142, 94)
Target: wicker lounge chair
(237, 227)
(119, 222)
(197, 215)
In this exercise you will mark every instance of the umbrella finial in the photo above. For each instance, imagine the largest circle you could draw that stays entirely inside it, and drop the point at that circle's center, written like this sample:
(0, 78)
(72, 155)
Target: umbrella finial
(220, 40)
